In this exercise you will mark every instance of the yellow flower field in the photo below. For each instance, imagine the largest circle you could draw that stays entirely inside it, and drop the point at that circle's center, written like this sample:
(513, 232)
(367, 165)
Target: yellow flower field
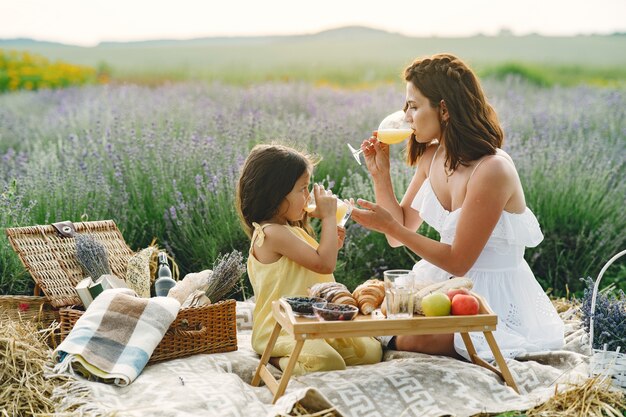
(26, 71)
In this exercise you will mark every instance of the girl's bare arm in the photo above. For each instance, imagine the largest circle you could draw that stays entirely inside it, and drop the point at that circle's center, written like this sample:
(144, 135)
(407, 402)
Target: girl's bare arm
(284, 243)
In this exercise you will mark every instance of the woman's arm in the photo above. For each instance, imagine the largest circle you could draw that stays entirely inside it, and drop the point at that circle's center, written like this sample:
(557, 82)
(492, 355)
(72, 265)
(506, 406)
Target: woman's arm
(488, 192)
(377, 160)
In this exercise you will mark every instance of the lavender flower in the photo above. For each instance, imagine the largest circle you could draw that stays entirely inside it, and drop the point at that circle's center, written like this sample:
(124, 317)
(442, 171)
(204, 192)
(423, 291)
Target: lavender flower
(92, 256)
(163, 162)
(609, 316)
(227, 271)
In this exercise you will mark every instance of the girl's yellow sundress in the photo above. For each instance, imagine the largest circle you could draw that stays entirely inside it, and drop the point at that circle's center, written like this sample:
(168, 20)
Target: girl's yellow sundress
(284, 278)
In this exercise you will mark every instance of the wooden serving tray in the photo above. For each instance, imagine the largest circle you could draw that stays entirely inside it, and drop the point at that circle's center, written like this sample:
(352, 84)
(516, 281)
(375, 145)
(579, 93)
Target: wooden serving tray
(301, 329)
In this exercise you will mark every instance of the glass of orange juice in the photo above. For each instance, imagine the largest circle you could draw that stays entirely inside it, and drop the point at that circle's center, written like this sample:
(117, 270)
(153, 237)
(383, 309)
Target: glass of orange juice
(344, 209)
(393, 129)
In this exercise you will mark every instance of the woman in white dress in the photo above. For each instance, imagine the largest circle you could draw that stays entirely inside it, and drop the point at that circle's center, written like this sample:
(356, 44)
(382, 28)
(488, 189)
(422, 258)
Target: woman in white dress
(467, 188)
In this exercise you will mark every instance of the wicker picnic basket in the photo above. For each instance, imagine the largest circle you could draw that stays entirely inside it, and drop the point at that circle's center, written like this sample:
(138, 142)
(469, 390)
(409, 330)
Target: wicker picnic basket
(29, 307)
(207, 329)
(49, 254)
(603, 361)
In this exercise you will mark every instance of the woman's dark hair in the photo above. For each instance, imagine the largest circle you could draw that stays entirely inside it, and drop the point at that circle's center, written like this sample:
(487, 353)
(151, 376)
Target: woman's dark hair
(268, 175)
(472, 130)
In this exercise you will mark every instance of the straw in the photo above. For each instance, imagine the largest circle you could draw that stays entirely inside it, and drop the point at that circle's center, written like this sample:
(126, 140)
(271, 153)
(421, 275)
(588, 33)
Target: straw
(24, 357)
(300, 411)
(563, 305)
(593, 398)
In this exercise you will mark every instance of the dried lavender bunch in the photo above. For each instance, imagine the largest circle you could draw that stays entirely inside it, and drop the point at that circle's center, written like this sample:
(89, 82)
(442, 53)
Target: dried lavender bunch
(609, 316)
(92, 256)
(227, 270)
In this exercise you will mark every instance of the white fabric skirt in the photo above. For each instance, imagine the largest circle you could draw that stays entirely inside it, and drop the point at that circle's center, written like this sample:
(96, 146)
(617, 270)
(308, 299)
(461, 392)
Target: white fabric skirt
(527, 320)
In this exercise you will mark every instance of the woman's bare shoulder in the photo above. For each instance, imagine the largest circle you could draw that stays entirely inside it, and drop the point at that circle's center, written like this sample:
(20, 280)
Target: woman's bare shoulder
(495, 169)
(502, 153)
(497, 177)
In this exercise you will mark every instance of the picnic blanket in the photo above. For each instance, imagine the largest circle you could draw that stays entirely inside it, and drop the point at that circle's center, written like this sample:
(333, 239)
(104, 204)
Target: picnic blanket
(404, 384)
(113, 340)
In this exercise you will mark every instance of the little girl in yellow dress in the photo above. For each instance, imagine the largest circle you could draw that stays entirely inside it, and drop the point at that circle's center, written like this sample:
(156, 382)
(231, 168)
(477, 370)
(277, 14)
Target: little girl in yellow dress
(285, 260)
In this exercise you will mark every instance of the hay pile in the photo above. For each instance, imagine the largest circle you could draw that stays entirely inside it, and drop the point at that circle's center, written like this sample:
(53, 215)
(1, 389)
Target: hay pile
(593, 398)
(300, 411)
(563, 305)
(24, 358)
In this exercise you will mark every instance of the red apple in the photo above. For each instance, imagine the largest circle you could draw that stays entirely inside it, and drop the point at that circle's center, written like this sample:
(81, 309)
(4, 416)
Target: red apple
(464, 305)
(455, 291)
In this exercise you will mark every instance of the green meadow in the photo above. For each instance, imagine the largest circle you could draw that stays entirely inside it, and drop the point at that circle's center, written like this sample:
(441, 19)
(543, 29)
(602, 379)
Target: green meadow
(353, 56)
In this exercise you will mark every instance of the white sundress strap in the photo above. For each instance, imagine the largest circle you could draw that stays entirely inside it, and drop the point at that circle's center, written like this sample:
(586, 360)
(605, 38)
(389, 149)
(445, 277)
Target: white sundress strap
(480, 162)
(474, 170)
(430, 168)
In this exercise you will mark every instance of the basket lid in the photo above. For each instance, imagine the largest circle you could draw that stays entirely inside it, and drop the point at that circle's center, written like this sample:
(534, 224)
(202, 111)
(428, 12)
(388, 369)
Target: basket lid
(50, 256)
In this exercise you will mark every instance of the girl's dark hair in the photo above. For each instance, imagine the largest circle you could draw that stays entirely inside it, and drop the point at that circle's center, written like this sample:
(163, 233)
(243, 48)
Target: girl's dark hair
(268, 175)
(472, 130)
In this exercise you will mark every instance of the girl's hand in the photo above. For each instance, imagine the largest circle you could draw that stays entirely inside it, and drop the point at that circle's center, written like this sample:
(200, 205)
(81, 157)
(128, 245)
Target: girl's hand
(376, 155)
(374, 217)
(341, 236)
(326, 203)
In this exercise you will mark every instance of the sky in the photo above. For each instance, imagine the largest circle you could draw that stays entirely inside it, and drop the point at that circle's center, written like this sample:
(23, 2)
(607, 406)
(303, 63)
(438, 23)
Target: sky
(88, 22)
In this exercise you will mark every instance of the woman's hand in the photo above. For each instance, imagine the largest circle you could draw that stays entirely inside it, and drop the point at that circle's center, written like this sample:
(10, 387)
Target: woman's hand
(374, 217)
(376, 155)
(325, 202)
(341, 236)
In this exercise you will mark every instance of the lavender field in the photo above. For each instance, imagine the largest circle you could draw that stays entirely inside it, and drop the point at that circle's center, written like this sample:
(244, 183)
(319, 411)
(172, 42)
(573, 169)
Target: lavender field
(162, 162)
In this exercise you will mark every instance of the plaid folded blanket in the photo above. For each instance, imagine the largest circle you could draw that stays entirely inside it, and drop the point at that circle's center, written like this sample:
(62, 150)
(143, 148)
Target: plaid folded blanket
(113, 340)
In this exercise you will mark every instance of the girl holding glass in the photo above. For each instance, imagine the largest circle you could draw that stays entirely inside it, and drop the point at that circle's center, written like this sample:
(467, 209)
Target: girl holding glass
(285, 259)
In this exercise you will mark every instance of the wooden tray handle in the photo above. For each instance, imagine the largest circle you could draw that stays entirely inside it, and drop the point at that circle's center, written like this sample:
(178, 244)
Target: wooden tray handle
(484, 306)
(283, 309)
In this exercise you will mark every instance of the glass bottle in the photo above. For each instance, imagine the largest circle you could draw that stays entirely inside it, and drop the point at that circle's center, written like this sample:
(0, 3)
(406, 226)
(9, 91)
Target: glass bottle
(164, 280)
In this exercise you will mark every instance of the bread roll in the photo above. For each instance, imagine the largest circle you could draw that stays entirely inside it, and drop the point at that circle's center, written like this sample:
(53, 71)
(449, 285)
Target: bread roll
(369, 295)
(333, 292)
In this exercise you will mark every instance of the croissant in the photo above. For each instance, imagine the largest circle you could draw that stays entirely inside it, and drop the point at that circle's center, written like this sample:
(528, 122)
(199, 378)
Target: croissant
(369, 295)
(333, 292)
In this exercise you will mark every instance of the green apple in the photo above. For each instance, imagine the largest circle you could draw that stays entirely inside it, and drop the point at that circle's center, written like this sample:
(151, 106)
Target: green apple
(436, 304)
